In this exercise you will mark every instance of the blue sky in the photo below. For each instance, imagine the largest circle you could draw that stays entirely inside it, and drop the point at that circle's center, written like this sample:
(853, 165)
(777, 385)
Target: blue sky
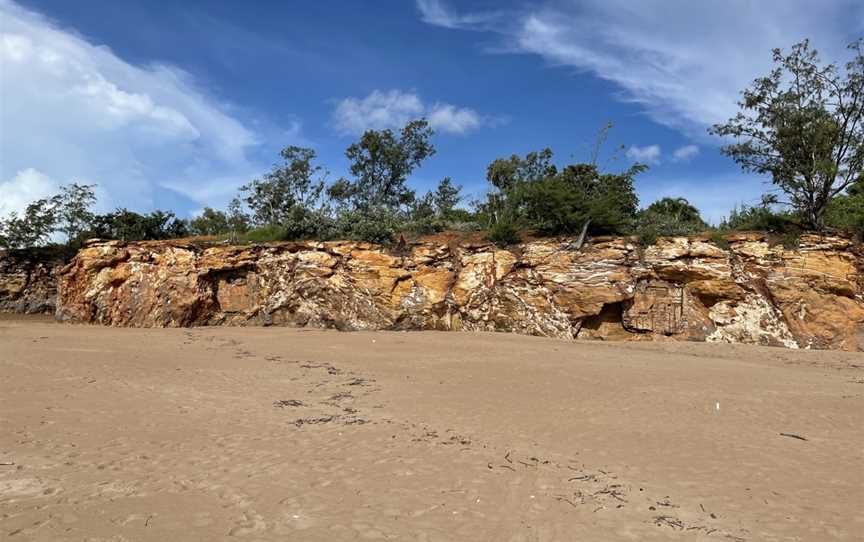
(175, 104)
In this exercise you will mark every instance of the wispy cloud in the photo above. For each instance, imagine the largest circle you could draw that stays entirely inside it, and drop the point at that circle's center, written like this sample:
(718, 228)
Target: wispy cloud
(685, 153)
(392, 109)
(435, 12)
(684, 62)
(74, 110)
(649, 154)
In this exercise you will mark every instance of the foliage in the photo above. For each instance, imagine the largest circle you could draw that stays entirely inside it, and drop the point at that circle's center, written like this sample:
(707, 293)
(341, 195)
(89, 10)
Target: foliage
(503, 234)
(33, 228)
(209, 222)
(436, 210)
(803, 124)
(846, 212)
(533, 193)
(263, 234)
(67, 212)
(669, 217)
(760, 218)
(377, 202)
(380, 164)
(446, 197)
(286, 194)
(718, 237)
(237, 220)
(127, 225)
(73, 212)
(375, 225)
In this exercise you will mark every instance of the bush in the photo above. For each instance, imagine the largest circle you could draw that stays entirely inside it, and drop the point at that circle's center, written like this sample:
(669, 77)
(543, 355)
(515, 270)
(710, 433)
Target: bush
(719, 239)
(760, 218)
(264, 234)
(374, 226)
(533, 193)
(503, 234)
(669, 217)
(846, 212)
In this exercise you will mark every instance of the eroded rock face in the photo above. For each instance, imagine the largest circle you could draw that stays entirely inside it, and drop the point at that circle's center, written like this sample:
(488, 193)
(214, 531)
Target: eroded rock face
(28, 283)
(685, 289)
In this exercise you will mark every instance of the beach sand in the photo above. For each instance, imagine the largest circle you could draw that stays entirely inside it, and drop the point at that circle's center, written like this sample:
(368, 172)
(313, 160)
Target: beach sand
(286, 434)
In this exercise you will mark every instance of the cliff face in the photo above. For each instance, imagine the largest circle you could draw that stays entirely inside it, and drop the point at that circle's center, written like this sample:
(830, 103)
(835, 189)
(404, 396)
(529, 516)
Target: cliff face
(28, 283)
(686, 289)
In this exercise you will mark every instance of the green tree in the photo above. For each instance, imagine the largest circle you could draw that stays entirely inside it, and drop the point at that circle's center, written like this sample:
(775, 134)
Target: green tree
(209, 222)
(73, 209)
(508, 177)
(846, 212)
(761, 217)
(288, 191)
(803, 124)
(238, 220)
(33, 228)
(669, 217)
(127, 225)
(533, 193)
(377, 202)
(381, 163)
(446, 197)
(67, 212)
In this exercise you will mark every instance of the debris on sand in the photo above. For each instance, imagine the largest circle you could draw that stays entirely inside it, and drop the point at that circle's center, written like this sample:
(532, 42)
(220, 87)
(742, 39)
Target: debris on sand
(285, 403)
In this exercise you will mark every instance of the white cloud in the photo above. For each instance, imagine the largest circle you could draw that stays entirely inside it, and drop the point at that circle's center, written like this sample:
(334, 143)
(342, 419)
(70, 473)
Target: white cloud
(685, 153)
(26, 186)
(435, 12)
(649, 154)
(685, 62)
(72, 110)
(394, 108)
(449, 118)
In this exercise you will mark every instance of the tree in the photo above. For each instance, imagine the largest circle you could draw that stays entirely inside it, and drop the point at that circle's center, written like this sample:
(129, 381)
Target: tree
(803, 124)
(287, 191)
(128, 225)
(381, 163)
(73, 209)
(846, 212)
(761, 217)
(67, 212)
(507, 176)
(377, 202)
(209, 222)
(33, 228)
(505, 173)
(533, 193)
(238, 220)
(669, 217)
(446, 197)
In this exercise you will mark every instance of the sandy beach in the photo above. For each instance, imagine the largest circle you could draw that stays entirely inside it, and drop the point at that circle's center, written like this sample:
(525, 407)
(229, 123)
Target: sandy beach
(281, 434)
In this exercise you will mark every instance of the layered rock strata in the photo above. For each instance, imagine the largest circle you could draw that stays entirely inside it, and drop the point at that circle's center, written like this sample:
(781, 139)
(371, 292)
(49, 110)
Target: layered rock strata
(681, 288)
(28, 282)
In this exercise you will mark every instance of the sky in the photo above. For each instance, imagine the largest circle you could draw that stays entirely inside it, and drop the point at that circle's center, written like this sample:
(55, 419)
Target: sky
(174, 105)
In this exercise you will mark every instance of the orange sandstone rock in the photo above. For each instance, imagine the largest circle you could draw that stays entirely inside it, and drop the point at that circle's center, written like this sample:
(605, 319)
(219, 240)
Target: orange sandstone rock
(680, 288)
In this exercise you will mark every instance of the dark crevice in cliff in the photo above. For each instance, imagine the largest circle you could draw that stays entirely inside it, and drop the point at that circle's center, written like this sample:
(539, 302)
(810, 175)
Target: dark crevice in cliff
(609, 322)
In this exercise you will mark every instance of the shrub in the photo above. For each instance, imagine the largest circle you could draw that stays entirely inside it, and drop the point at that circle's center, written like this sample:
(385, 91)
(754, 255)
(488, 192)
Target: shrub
(264, 234)
(533, 193)
(760, 218)
(503, 234)
(846, 212)
(670, 217)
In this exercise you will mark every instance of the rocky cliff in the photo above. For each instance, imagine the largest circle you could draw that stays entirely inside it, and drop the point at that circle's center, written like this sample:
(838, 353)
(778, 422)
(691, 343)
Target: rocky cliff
(688, 289)
(28, 282)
